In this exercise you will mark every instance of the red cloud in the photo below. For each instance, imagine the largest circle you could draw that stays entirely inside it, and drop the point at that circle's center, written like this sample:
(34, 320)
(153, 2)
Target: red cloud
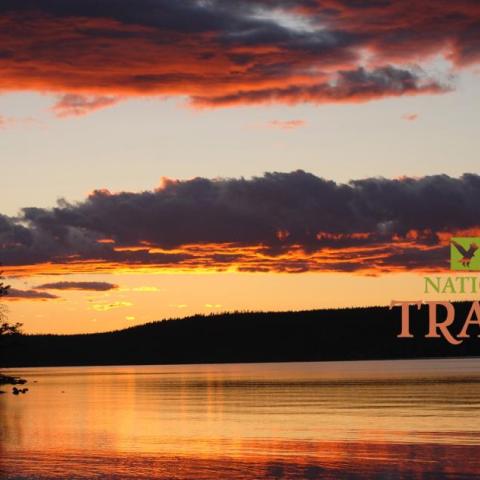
(410, 117)
(224, 53)
(78, 105)
(286, 124)
(7, 122)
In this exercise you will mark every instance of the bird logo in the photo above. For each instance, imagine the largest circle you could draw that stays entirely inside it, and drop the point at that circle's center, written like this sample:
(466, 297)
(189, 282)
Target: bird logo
(463, 253)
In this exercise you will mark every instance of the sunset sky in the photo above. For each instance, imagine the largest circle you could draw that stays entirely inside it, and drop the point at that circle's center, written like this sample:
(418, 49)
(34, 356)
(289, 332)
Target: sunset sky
(163, 158)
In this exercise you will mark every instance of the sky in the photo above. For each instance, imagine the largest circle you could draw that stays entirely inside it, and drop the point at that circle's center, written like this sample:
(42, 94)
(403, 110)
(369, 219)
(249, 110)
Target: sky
(161, 159)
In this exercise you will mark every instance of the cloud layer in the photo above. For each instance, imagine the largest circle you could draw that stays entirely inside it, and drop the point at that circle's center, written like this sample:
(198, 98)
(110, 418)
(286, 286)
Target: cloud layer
(278, 222)
(221, 53)
(16, 294)
(91, 286)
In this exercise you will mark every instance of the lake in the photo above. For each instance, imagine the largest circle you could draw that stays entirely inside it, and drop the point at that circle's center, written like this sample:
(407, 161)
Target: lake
(384, 420)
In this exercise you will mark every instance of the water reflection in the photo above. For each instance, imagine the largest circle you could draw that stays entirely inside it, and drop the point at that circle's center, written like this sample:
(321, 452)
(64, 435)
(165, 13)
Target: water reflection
(342, 420)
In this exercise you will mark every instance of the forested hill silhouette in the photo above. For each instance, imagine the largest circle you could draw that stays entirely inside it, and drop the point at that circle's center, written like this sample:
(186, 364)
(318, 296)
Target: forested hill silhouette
(343, 334)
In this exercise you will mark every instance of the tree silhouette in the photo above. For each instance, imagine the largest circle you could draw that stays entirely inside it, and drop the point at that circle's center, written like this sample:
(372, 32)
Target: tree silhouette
(5, 327)
(3, 291)
(8, 331)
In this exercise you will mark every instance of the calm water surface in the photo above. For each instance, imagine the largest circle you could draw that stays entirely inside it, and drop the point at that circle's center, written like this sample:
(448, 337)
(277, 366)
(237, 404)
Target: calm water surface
(344, 420)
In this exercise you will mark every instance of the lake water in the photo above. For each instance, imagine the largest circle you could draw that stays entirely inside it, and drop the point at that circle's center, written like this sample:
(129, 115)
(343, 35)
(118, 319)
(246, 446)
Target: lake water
(384, 420)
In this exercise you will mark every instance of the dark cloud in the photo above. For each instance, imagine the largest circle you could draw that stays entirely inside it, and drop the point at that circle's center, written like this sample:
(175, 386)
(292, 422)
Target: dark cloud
(354, 85)
(280, 221)
(94, 286)
(15, 294)
(220, 52)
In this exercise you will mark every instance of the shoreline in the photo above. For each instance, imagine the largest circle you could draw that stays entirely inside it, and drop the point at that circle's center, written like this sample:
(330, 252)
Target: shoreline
(9, 380)
(253, 362)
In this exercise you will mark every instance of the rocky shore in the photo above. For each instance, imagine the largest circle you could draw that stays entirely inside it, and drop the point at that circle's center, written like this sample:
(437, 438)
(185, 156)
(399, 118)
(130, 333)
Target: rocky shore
(9, 380)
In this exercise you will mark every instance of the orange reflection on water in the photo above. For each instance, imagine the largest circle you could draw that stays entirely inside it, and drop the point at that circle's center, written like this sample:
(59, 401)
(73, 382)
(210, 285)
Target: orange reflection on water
(404, 419)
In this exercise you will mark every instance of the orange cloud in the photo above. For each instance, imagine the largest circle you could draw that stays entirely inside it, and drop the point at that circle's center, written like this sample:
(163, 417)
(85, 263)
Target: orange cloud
(222, 54)
(3, 122)
(7, 122)
(286, 124)
(74, 105)
(394, 256)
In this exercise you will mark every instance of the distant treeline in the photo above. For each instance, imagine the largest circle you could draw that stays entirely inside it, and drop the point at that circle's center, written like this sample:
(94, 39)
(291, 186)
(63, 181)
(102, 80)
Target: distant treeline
(343, 334)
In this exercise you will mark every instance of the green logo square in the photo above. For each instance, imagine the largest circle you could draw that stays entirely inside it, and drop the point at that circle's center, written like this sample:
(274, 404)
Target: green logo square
(465, 254)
